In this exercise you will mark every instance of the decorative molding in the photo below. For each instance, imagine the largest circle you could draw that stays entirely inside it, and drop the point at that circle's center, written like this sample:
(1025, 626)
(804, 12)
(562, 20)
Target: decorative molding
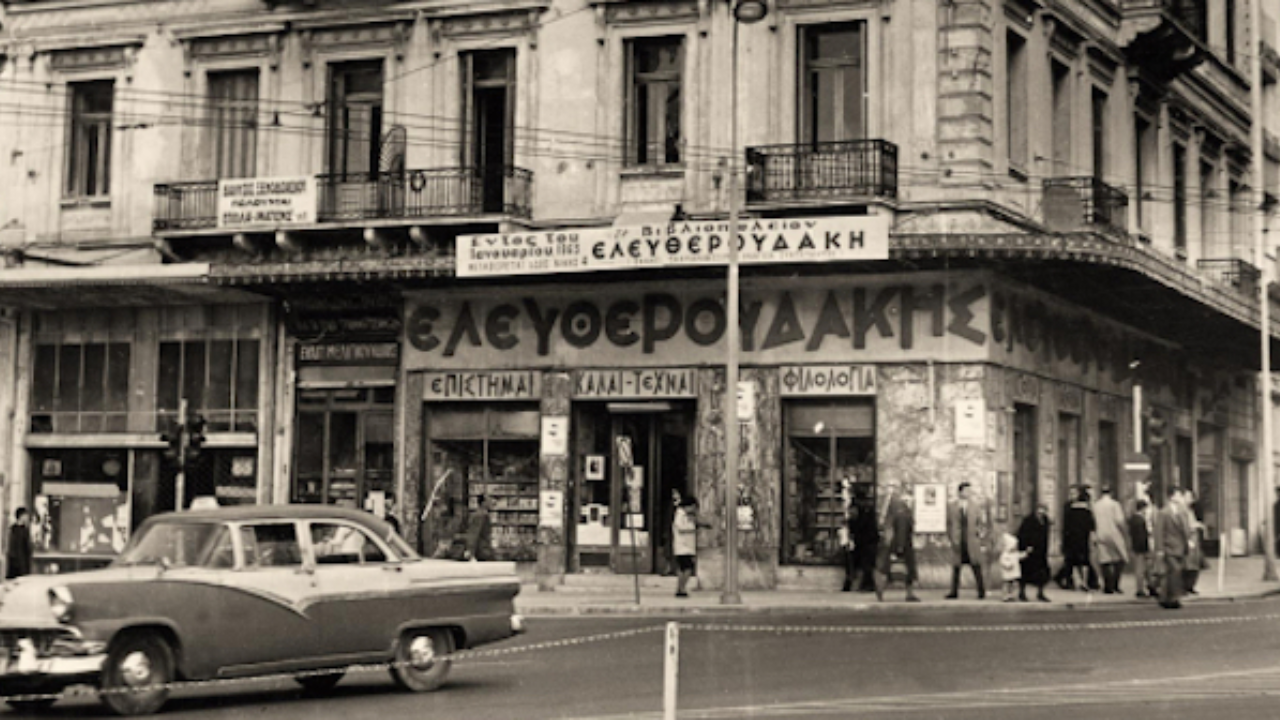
(489, 24)
(94, 58)
(653, 12)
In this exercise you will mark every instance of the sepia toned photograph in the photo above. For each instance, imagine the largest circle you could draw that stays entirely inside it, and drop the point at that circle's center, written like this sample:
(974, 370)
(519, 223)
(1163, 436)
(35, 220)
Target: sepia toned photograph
(640, 359)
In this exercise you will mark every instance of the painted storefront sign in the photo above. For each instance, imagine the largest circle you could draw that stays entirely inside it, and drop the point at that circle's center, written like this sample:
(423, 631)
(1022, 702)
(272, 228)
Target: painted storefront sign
(643, 383)
(789, 240)
(342, 353)
(781, 323)
(513, 385)
(266, 202)
(809, 380)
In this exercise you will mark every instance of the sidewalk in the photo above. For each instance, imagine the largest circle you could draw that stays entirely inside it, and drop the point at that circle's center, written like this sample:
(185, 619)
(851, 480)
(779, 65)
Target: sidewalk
(1241, 580)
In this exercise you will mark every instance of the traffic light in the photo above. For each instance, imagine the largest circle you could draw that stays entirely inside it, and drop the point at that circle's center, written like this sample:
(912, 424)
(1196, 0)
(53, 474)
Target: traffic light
(1157, 430)
(195, 437)
(173, 443)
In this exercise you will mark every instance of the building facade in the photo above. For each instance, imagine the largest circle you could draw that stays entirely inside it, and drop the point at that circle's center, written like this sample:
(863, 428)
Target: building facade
(328, 231)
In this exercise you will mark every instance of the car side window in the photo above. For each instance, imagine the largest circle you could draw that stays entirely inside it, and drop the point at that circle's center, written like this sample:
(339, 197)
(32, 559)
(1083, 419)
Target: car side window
(221, 554)
(273, 545)
(336, 544)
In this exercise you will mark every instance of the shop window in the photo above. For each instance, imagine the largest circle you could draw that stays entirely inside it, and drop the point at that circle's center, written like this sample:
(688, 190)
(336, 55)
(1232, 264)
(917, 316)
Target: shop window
(79, 505)
(654, 100)
(830, 447)
(344, 450)
(80, 388)
(217, 377)
(485, 451)
(88, 172)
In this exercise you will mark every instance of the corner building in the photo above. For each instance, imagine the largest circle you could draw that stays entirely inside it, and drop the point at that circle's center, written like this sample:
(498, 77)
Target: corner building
(266, 210)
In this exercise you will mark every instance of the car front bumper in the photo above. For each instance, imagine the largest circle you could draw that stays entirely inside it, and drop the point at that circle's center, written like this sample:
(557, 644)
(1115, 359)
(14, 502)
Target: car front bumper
(30, 663)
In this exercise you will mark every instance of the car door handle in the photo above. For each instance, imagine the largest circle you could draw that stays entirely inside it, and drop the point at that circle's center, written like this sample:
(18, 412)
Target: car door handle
(392, 568)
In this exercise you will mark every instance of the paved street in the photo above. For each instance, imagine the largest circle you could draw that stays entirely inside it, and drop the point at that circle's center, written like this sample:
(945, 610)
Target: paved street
(1124, 661)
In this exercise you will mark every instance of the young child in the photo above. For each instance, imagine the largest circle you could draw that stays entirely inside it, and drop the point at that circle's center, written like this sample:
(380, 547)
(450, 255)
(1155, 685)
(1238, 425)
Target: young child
(1010, 564)
(684, 531)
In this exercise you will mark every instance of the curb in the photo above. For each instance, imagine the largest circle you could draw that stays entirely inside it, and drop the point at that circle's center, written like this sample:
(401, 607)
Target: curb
(625, 608)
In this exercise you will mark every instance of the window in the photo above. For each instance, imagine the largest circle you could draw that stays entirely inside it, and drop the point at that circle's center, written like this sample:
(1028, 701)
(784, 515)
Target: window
(233, 104)
(654, 72)
(345, 447)
(1016, 125)
(829, 445)
(335, 544)
(1180, 199)
(274, 545)
(1238, 210)
(80, 502)
(1109, 455)
(177, 544)
(89, 147)
(1098, 115)
(1061, 79)
(1229, 15)
(80, 388)
(1068, 453)
(218, 378)
(1144, 156)
(488, 136)
(355, 119)
(833, 96)
(1208, 238)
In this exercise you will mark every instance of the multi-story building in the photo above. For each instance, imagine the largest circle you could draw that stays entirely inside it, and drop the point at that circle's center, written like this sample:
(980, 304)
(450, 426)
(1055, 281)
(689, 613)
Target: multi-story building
(974, 230)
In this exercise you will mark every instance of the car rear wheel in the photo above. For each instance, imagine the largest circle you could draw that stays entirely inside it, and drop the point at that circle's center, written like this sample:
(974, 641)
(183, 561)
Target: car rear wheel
(31, 707)
(422, 659)
(319, 683)
(136, 675)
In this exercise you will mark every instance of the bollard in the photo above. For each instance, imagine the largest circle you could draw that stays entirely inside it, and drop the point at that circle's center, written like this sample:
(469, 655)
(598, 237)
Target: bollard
(671, 671)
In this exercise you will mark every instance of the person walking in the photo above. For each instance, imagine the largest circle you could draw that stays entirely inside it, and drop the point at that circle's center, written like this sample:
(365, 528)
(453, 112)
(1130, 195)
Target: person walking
(897, 543)
(480, 531)
(1140, 543)
(1195, 543)
(968, 528)
(1112, 546)
(1077, 535)
(866, 540)
(1033, 540)
(18, 557)
(1173, 536)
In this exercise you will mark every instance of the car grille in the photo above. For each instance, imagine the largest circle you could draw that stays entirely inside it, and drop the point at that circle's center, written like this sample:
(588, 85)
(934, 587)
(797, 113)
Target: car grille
(42, 639)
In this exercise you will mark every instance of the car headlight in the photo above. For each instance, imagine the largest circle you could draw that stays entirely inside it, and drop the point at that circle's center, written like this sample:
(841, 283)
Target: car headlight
(61, 604)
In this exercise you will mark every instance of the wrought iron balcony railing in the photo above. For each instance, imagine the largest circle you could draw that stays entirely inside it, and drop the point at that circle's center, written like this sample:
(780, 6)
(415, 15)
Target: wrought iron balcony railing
(822, 171)
(1084, 203)
(1232, 272)
(406, 195)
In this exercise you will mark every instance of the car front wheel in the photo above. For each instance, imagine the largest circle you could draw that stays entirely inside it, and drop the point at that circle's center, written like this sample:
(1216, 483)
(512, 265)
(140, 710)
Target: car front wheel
(422, 659)
(137, 674)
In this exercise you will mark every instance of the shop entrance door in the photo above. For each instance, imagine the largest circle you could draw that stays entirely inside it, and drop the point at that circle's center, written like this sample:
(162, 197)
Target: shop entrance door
(649, 466)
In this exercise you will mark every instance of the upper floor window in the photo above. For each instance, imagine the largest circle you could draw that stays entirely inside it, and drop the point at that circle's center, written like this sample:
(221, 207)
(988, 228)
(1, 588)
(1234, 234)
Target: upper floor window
(1060, 76)
(655, 69)
(1180, 199)
(233, 102)
(355, 118)
(1208, 239)
(89, 147)
(1016, 129)
(834, 83)
(1098, 114)
(80, 387)
(1144, 158)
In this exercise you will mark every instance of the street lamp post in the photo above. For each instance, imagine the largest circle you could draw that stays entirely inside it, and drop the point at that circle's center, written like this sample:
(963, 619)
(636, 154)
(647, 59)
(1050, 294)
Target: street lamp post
(744, 12)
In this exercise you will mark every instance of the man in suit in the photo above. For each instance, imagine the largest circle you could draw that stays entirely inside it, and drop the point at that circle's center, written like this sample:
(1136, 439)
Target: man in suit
(1173, 539)
(968, 527)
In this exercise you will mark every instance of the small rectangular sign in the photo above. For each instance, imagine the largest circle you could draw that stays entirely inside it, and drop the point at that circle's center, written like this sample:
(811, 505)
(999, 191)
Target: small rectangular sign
(644, 383)
(349, 353)
(809, 380)
(551, 509)
(497, 385)
(266, 202)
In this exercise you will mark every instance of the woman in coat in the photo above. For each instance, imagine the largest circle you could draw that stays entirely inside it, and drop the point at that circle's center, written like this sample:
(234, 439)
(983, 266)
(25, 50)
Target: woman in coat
(1077, 536)
(1033, 538)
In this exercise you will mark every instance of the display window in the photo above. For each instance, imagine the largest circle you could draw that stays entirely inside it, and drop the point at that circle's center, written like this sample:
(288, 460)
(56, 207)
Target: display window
(489, 451)
(830, 471)
(344, 451)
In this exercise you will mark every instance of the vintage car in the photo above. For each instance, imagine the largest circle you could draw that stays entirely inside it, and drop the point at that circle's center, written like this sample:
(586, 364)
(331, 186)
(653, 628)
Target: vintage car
(245, 591)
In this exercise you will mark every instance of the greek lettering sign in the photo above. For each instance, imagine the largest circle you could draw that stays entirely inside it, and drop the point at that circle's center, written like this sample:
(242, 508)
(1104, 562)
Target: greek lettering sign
(514, 385)
(266, 202)
(802, 380)
(652, 383)
(387, 353)
(789, 240)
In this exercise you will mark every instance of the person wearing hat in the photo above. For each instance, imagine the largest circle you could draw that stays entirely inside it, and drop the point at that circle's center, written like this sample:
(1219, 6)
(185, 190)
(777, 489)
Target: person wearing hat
(1112, 547)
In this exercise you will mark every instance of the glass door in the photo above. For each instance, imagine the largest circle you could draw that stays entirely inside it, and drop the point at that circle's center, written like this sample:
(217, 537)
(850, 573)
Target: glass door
(344, 448)
(635, 467)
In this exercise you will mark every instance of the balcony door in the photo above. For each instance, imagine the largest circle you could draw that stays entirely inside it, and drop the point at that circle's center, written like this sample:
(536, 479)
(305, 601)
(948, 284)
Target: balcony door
(489, 86)
(353, 139)
(233, 101)
(833, 108)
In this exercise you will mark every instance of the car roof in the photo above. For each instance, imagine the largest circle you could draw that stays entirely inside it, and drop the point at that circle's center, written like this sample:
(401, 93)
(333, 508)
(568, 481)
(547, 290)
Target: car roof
(251, 513)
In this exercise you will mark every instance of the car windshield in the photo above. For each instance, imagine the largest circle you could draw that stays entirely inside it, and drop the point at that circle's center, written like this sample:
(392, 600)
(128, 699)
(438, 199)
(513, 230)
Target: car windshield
(174, 544)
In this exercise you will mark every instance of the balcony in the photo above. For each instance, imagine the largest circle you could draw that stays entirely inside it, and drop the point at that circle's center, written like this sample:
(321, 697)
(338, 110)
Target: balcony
(407, 195)
(1233, 273)
(1164, 38)
(1073, 204)
(822, 172)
